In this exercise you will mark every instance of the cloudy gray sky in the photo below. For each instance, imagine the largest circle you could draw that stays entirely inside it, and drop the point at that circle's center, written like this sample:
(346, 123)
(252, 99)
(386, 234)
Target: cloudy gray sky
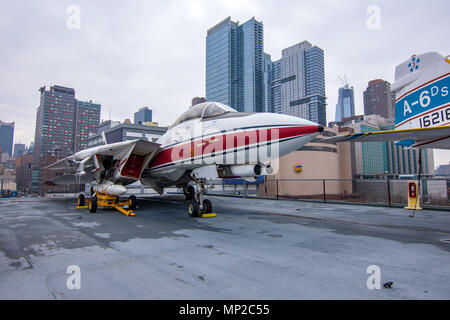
(129, 54)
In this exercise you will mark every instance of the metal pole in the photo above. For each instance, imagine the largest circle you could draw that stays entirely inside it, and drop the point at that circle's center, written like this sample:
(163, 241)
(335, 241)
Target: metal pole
(324, 191)
(389, 191)
(418, 184)
(277, 188)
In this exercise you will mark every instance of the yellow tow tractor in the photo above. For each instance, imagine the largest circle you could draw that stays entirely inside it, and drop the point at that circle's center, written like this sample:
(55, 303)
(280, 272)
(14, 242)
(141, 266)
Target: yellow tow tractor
(107, 201)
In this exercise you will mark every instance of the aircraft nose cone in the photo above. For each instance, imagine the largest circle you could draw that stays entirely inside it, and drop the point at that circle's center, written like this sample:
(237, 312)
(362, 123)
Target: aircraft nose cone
(320, 128)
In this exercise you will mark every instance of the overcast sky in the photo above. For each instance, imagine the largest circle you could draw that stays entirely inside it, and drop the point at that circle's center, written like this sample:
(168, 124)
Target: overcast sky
(129, 54)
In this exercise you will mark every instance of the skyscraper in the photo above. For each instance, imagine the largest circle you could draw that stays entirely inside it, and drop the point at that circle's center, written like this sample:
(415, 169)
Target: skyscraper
(87, 119)
(143, 115)
(346, 103)
(379, 100)
(63, 125)
(276, 87)
(267, 83)
(54, 122)
(6, 138)
(240, 74)
(298, 84)
(19, 149)
(235, 66)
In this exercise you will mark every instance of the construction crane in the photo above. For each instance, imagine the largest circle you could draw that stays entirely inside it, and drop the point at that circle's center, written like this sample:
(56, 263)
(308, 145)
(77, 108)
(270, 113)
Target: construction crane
(344, 83)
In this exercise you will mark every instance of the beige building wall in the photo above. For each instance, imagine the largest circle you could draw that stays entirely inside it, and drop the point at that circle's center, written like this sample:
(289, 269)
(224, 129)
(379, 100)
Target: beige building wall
(319, 161)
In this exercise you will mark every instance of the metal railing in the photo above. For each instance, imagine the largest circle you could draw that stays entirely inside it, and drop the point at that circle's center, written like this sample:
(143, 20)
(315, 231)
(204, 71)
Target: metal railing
(387, 192)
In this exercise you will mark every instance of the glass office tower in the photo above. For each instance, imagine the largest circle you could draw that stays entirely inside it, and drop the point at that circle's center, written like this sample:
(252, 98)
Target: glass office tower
(6, 138)
(346, 103)
(235, 65)
(297, 83)
(303, 82)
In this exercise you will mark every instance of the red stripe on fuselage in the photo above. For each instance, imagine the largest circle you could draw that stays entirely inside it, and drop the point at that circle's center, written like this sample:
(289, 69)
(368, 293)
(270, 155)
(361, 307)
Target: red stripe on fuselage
(226, 141)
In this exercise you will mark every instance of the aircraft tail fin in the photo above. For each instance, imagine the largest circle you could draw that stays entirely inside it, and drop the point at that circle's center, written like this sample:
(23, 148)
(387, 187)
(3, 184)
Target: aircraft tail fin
(421, 91)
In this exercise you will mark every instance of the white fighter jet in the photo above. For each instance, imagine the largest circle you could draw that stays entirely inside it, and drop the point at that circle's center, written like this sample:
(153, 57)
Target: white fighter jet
(209, 140)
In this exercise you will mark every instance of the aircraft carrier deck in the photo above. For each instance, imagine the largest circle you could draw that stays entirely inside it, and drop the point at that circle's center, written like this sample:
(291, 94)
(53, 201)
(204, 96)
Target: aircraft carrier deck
(253, 249)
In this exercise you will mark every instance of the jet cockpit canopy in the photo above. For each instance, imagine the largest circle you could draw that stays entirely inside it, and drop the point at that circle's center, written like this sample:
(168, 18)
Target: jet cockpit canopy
(203, 110)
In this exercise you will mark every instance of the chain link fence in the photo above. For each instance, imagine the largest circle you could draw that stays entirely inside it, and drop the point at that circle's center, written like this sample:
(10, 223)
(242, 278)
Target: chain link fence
(434, 193)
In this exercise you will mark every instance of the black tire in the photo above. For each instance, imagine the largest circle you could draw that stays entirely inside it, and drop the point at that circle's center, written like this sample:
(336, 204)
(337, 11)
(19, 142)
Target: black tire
(193, 209)
(133, 201)
(93, 205)
(81, 201)
(190, 193)
(207, 206)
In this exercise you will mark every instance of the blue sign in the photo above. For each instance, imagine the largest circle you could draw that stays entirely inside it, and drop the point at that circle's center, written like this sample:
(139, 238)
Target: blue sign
(423, 101)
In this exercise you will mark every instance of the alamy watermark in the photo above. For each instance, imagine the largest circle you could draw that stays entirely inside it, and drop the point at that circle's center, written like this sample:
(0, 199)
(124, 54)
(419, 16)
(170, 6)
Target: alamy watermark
(374, 19)
(374, 280)
(74, 280)
(73, 21)
(199, 145)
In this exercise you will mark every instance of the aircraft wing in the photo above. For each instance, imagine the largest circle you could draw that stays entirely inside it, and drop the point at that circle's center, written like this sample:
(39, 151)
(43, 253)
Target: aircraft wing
(70, 179)
(79, 166)
(66, 163)
(432, 137)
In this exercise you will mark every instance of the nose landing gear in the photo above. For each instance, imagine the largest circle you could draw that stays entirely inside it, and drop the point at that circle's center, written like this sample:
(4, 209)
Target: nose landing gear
(205, 212)
(199, 206)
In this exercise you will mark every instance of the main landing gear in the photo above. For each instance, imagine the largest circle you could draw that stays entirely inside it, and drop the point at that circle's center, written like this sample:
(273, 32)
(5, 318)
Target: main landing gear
(107, 201)
(198, 205)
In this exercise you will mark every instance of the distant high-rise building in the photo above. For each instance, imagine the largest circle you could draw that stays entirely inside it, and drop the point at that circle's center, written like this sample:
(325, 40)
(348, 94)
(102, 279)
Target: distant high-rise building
(19, 149)
(277, 99)
(267, 83)
(235, 66)
(24, 165)
(197, 100)
(379, 100)
(63, 125)
(143, 115)
(346, 103)
(87, 115)
(240, 74)
(55, 123)
(298, 83)
(6, 137)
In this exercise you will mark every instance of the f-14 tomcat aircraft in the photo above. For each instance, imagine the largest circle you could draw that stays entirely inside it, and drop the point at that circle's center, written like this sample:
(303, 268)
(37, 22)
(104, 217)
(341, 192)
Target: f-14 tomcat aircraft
(209, 140)
(422, 108)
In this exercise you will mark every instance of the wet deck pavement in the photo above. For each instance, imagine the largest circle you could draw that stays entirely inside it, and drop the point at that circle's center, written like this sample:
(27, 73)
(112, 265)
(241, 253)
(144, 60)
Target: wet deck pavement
(253, 249)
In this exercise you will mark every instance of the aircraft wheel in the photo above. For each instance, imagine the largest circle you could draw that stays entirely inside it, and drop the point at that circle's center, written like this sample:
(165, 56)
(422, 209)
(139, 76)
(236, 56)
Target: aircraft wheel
(207, 206)
(93, 204)
(190, 193)
(133, 201)
(81, 200)
(193, 209)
